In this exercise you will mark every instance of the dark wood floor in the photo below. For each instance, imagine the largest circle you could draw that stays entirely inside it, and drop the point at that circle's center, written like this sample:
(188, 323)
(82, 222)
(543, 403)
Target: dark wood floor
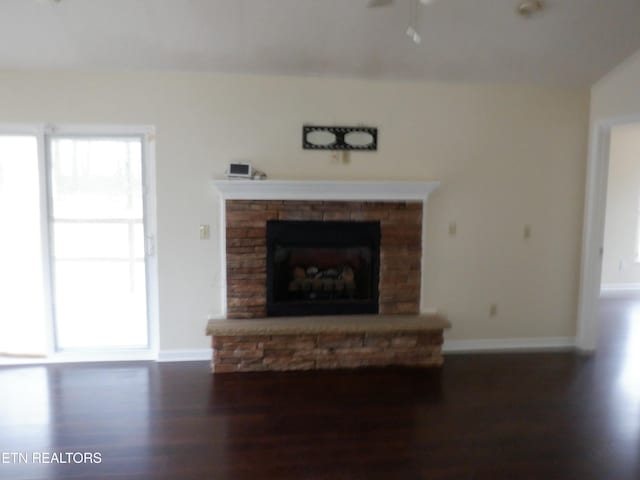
(508, 416)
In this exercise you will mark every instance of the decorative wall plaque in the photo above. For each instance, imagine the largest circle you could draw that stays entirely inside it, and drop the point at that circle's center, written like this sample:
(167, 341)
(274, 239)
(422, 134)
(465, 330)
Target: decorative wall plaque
(339, 138)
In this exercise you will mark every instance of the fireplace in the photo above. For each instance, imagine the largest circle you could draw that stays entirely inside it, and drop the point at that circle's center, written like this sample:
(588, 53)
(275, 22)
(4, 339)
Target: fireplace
(299, 248)
(322, 267)
(244, 242)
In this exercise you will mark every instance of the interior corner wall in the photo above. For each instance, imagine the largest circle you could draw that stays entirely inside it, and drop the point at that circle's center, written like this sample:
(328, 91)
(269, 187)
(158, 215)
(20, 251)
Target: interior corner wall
(506, 156)
(620, 266)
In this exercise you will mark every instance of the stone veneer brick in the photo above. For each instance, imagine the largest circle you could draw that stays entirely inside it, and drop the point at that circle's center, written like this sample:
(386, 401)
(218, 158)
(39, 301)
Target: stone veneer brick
(242, 353)
(400, 248)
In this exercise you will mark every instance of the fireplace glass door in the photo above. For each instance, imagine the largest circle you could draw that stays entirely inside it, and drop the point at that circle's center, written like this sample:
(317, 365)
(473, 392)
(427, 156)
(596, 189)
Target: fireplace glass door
(322, 268)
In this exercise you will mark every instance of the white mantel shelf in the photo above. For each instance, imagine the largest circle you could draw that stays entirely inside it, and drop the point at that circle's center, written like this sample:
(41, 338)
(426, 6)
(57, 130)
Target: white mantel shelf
(336, 190)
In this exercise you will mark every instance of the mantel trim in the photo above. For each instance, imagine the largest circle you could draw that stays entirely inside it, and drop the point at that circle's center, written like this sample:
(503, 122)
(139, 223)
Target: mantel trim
(324, 190)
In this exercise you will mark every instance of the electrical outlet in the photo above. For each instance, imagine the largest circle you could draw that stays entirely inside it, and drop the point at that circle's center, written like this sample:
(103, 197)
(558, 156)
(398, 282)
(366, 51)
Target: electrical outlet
(493, 310)
(453, 229)
(526, 232)
(335, 157)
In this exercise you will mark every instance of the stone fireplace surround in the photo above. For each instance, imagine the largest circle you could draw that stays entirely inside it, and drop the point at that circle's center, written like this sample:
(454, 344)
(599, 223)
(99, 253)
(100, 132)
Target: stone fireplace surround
(400, 248)
(398, 206)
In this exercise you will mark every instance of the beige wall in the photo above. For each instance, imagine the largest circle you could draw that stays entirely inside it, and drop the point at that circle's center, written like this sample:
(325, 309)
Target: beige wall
(619, 263)
(506, 156)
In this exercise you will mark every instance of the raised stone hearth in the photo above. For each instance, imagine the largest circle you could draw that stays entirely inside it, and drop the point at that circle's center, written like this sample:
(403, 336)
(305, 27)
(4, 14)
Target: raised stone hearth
(315, 343)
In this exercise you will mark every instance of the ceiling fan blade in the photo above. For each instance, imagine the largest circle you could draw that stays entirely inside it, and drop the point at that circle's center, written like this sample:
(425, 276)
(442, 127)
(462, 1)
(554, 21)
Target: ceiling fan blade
(378, 3)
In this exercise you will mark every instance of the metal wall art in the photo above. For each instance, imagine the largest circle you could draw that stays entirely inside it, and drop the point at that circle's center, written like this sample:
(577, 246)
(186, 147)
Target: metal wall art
(339, 138)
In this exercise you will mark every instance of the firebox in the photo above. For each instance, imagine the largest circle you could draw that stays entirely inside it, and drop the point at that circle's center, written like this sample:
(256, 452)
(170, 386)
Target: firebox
(322, 267)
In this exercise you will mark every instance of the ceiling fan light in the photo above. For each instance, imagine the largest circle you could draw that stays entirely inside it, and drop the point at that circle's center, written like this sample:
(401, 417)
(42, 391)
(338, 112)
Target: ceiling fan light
(527, 8)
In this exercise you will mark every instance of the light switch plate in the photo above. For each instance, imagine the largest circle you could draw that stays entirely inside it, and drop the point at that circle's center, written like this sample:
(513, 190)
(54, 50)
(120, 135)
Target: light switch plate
(204, 232)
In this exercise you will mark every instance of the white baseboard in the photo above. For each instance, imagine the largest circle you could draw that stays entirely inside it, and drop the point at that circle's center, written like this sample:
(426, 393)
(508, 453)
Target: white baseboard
(619, 290)
(449, 346)
(134, 355)
(509, 345)
(206, 354)
(191, 355)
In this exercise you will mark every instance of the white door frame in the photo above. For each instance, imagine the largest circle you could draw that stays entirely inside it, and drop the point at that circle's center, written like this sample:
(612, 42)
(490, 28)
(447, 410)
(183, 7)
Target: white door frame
(593, 229)
(147, 135)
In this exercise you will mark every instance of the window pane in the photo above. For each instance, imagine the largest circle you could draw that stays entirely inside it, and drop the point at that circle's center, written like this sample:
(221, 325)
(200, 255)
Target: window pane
(96, 240)
(22, 321)
(100, 304)
(96, 178)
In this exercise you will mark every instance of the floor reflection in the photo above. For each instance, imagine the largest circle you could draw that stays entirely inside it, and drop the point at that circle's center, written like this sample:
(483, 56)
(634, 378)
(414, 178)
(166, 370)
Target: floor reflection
(25, 420)
(24, 400)
(56, 410)
(124, 390)
(629, 378)
(620, 376)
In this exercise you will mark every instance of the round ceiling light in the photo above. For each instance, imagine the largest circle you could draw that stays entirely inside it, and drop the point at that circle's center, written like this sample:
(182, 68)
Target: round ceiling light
(529, 7)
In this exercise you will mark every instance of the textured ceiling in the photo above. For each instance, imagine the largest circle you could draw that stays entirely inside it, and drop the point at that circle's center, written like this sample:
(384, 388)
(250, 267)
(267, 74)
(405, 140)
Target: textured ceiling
(572, 42)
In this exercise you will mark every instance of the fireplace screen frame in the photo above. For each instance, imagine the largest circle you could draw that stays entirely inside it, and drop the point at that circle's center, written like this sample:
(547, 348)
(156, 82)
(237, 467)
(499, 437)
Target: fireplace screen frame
(325, 234)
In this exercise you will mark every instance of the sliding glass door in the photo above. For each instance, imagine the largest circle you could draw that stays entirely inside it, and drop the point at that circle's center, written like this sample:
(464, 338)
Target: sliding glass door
(76, 244)
(96, 215)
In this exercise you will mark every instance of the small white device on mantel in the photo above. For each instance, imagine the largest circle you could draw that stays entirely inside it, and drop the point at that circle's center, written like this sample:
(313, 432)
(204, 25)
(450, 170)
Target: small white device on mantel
(240, 170)
(244, 171)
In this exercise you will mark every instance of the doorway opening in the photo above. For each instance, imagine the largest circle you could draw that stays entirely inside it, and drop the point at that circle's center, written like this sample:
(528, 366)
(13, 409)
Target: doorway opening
(619, 306)
(621, 243)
